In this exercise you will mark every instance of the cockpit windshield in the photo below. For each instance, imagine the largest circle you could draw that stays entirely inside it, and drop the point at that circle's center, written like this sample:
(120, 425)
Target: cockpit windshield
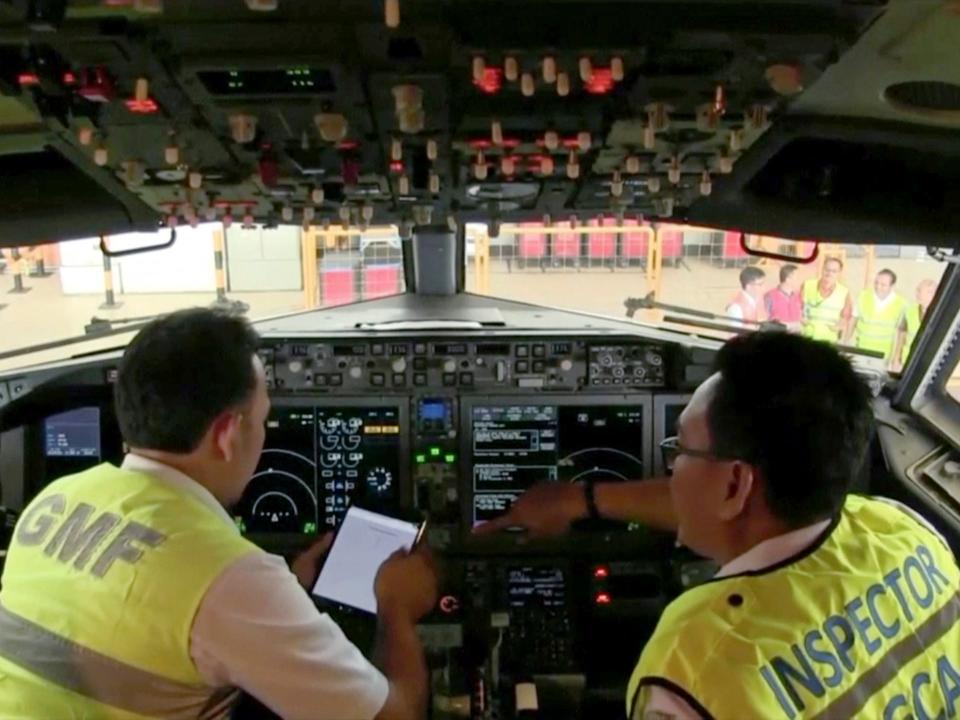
(704, 281)
(74, 290)
(694, 279)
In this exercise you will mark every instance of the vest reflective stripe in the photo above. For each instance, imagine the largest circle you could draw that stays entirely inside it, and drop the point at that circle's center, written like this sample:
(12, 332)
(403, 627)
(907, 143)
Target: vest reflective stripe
(912, 316)
(114, 563)
(96, 676)
(850, 629)
(877, 327)
(821, 316)
(890, 666)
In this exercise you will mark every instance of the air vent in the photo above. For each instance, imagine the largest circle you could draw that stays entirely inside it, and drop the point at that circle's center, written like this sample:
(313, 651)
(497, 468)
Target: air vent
(924, 96)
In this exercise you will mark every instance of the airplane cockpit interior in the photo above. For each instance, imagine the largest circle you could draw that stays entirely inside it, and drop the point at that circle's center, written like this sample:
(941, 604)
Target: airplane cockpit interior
(486, 244)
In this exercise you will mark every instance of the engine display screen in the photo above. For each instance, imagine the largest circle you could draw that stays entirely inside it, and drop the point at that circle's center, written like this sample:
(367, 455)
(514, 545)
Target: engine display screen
(536, 588)
(316, 461)
(515, 446)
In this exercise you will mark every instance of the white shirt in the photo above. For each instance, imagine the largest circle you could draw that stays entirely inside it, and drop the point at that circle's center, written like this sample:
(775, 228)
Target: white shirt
(257, 629)
(735, 311)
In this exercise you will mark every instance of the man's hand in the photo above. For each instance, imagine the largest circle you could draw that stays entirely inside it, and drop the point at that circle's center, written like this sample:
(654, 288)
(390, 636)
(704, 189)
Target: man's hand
(545, 510)
(406, 590)
(407, 583)
(306, 565)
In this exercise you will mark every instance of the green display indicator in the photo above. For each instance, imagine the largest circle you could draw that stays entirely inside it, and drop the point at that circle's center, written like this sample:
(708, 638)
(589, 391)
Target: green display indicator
(421, 458)
(241, 525)
(309, 528)
(450, 457)
(435, 451)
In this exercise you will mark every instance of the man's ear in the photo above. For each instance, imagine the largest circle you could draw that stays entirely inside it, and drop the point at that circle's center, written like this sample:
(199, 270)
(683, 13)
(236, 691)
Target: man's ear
(740, 485)
(224, 433)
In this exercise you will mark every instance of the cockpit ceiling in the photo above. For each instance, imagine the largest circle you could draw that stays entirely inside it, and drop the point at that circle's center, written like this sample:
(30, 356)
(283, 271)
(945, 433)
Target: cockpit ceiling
(318, 112)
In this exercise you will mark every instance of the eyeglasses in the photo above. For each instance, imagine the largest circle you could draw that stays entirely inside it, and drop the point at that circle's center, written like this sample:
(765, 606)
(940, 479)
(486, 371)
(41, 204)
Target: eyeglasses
(671, 449)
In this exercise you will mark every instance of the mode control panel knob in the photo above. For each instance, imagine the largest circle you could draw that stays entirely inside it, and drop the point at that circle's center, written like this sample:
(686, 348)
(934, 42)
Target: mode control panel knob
(399, 365)
(356, 372)
(566, 365)
(450, 366)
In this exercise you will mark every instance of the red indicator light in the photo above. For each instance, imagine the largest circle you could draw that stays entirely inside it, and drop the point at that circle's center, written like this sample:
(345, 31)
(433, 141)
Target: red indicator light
(348, 145)
(69, 78)
(449, 604)
(480, 144)
(28, 79)
(602, 598)
(601, 572)
(510, 142)
(142, 107)
(491, 82)
(600, 83)
(396, 166)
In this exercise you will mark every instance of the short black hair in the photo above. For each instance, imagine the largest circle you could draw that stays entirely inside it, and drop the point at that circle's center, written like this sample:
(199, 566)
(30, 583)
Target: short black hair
(179, 373)
(837, 260)
(794, 408)
(749, 275)
(786, 271)
(891, 273)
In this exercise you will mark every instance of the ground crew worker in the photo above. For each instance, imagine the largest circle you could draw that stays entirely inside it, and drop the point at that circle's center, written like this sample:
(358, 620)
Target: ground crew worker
(748, 303)
(827, 308)
(878, 315)
(784, 303)
(129, 593)
(826, 605)
(913, 317)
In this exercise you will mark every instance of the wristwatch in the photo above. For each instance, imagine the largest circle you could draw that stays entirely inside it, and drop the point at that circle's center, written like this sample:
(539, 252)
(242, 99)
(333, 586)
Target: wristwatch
(593, 512)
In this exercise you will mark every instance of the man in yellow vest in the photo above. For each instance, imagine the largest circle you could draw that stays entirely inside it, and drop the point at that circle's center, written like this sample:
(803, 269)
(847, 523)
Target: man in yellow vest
(827, 308)
(878, 315)
(912, 319)
(128, 592)
(826, 604)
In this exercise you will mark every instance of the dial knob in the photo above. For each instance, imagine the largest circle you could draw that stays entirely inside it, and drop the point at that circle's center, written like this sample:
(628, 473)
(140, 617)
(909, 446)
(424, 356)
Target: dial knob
(450, 366)
(356, 372)
(399, 365)
(566, 365)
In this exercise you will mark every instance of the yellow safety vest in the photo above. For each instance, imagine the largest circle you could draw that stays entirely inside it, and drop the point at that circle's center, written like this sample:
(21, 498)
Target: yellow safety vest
(104, 575)
(912, 316)
(863, 625)
(821, 315)
(877, 327)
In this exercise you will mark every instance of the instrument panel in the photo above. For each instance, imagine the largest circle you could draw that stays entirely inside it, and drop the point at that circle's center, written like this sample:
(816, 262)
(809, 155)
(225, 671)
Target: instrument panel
(457, 428)
(399, 365)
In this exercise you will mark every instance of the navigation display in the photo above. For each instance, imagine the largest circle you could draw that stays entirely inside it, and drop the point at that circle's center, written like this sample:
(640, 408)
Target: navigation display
(316, 461)
(514, 446)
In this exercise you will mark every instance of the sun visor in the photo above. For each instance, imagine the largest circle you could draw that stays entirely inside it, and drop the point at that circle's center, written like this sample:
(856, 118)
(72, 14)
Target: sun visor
(843, 180)
(48, 199)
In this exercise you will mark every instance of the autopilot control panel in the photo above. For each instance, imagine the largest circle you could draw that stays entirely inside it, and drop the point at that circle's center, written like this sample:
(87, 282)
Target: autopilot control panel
(455, 428)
